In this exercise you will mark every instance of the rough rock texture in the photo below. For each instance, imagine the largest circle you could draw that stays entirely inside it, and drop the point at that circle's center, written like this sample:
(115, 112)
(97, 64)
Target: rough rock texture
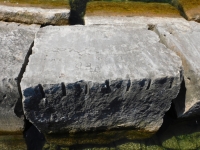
(15, 42)
(32, 15)
(99, 77)
(183, 38)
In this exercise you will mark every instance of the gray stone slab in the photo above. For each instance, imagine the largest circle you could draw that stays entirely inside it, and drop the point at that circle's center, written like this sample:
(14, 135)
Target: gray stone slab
(34, 15)
(15, 41)
(82, 78)
(184, 39)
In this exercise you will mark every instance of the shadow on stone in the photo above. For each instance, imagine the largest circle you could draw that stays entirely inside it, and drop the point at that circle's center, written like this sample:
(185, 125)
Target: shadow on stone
(177, 128)
(180, 8)
(34, 139)
(77, 11)
(168, 119)
(179, 101)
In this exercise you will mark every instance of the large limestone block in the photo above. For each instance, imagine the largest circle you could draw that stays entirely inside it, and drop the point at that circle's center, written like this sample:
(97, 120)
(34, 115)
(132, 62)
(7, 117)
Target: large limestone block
(15, 41)
(183, 38)
(33, 15)
(82, 78)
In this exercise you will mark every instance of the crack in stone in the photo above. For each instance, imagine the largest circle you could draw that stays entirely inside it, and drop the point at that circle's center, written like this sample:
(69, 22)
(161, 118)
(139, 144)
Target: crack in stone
(41, 90)
(128, 85)
(149, 84)
(18, 105)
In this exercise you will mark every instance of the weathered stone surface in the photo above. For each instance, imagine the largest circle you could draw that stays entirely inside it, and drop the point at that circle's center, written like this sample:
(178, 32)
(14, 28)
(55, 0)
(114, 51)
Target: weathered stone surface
(136, 22)
(183, 38)
(82, 78)
(32, 15)
(15, 41)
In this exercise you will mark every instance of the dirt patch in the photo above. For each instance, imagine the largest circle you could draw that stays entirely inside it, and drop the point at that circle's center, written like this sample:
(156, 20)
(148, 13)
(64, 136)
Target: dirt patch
(131, 9)
(36, 3)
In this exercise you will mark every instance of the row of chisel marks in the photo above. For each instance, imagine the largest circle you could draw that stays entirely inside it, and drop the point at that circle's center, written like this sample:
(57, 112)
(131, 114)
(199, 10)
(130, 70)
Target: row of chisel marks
(107, 86)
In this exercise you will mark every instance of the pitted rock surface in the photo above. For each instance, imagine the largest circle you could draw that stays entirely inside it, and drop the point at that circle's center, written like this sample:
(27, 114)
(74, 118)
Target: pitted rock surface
(15, 41)
(82, 78)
